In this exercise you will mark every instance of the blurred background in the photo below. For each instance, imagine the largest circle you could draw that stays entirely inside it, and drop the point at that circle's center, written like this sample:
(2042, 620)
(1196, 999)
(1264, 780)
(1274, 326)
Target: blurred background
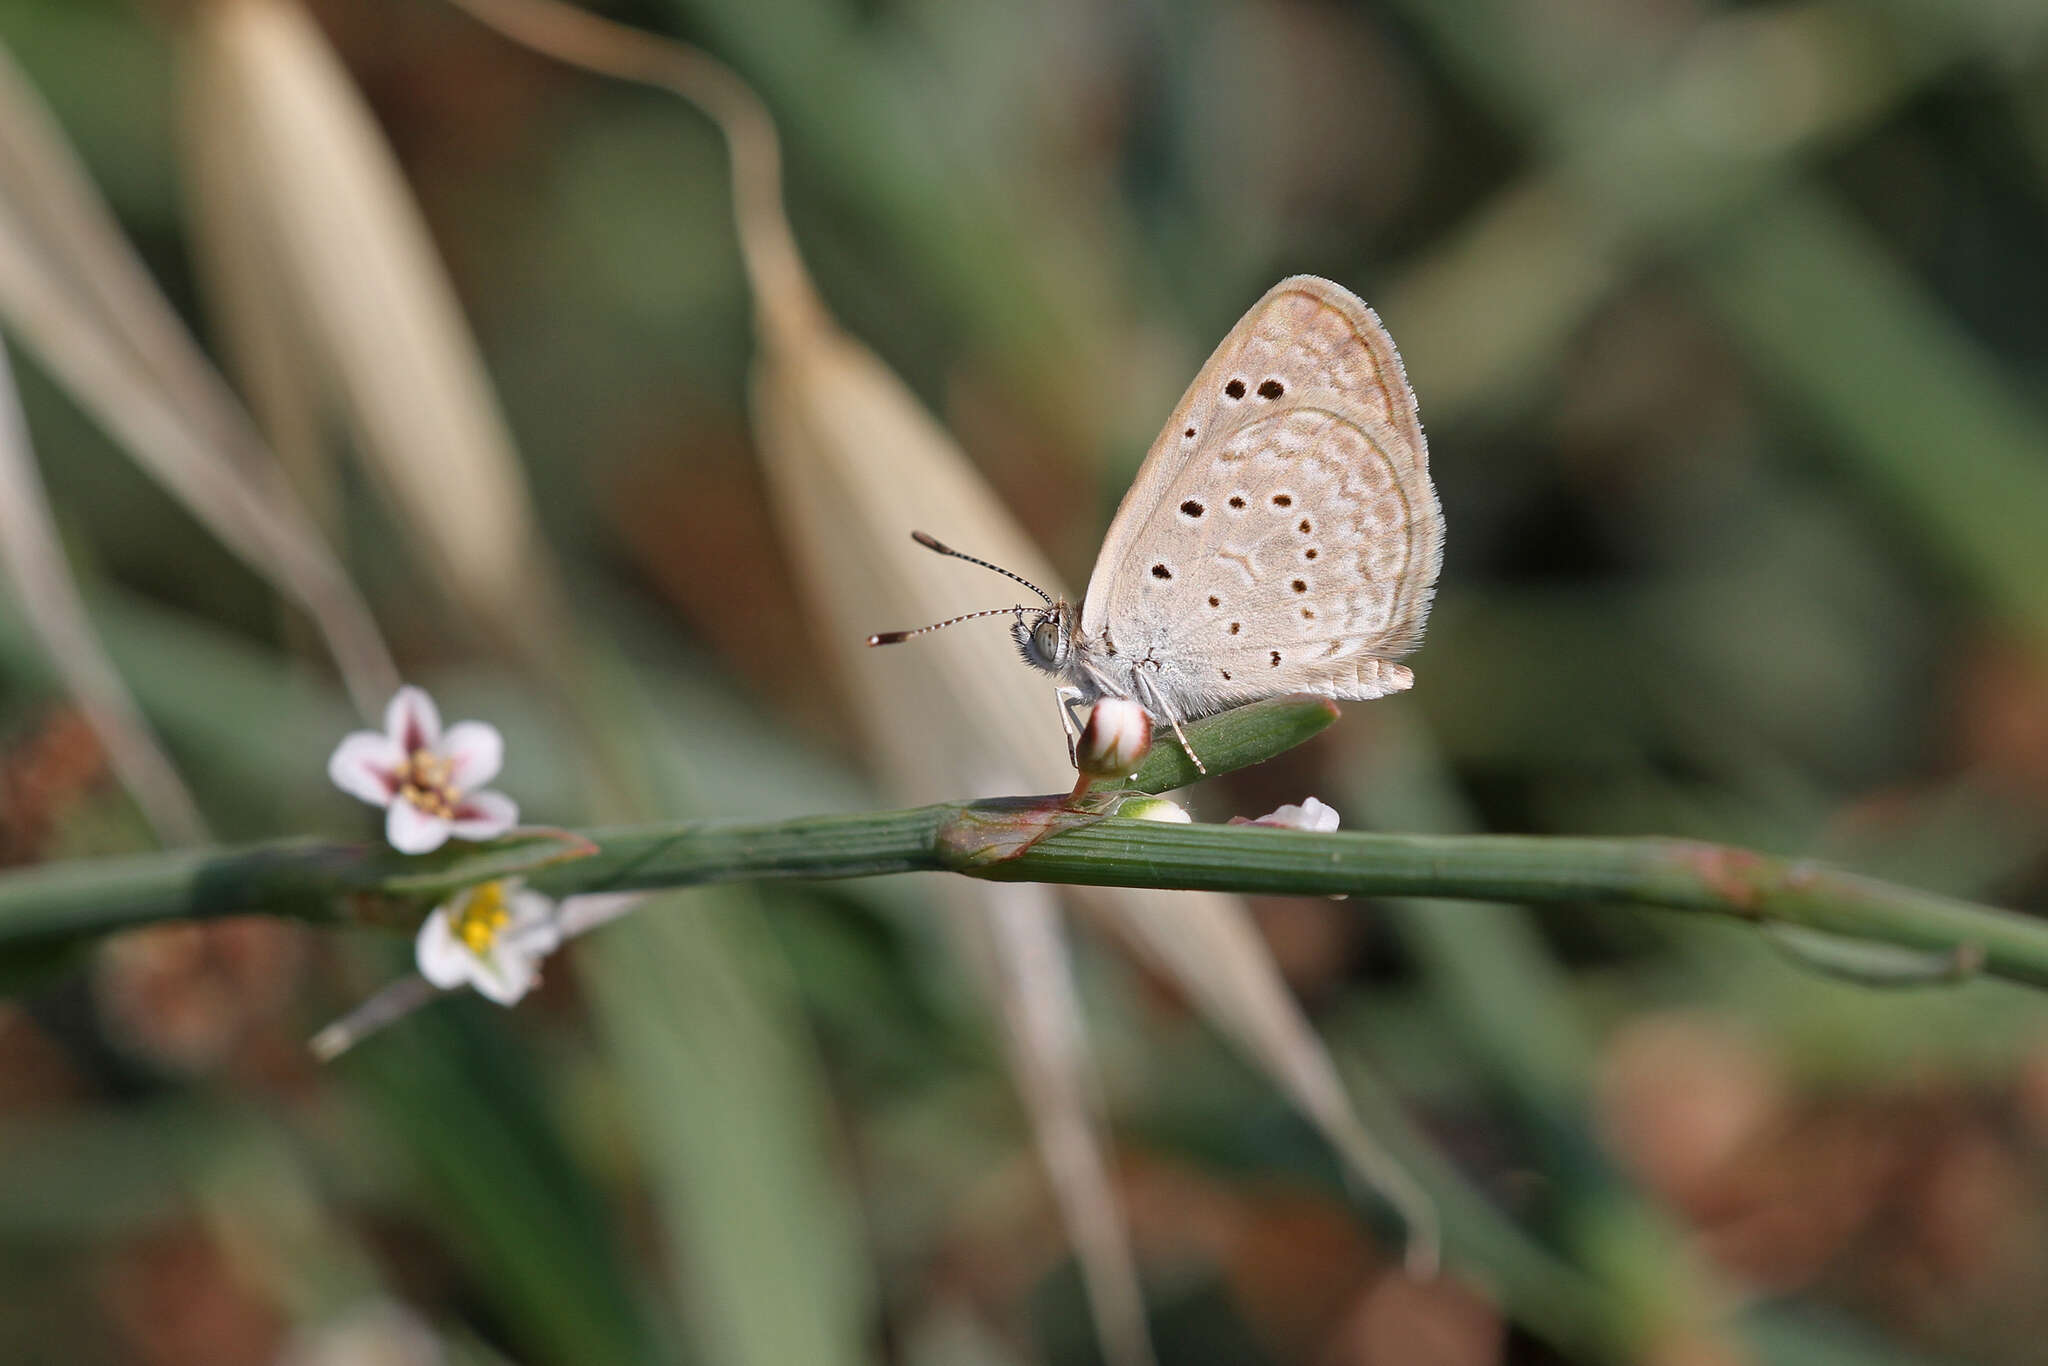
(1729, 326)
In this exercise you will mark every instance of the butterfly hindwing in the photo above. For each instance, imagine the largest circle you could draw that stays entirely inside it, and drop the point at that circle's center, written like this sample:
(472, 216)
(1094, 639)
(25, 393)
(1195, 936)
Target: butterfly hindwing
(1283, 534)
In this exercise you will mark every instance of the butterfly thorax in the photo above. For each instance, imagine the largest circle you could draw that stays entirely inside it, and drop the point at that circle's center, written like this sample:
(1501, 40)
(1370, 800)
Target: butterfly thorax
(1052, 641)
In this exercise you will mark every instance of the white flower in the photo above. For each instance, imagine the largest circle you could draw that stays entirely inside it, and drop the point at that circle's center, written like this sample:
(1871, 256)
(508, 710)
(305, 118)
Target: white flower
(445, 943)
(429, 782)
(1311, 815)
(378, 1330)
(1155, 809)
(492, 936)
(1117, 735)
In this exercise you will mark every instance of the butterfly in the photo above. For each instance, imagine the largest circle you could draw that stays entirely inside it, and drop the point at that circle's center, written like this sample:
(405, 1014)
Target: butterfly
(1282, 535)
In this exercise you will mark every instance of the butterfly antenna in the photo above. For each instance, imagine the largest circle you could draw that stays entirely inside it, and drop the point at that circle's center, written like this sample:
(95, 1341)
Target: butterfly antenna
(898, 637)
(931, 543)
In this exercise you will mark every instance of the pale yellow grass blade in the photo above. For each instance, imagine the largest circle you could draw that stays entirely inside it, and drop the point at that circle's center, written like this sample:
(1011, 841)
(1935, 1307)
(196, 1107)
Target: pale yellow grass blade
(244, 281)
(74, 291)
(853, 458)
(856, 464)
(915, 720)
(366, 286)
(108, 382)
(64, 215)
(1030, 972)
(775, 268)
(1214, 951)
(743, 1182)
(1048, 1052)
(34, 560)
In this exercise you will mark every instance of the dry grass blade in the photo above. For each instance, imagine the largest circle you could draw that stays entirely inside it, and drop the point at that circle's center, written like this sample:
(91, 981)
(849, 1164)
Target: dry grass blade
(1211, 947)
(108, 382)
(34, 559)
(955, 716)
(921, 722)
(76, 293)
(245, 283)
(287, 132)
(808, 412)
(64, 215)
(856, 464)
(781, 284)
(854, 460)
(1048, 1053)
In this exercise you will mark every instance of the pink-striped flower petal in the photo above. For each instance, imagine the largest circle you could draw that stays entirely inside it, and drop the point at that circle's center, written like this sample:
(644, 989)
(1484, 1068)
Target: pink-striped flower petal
(474, 751)
(484, 816)
(412, 720)
(413, 831)
(363, 766)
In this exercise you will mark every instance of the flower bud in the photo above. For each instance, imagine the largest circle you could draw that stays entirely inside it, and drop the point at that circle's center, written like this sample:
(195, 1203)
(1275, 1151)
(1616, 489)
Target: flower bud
(1312, 815)
(1118, 734)
(1155, 809)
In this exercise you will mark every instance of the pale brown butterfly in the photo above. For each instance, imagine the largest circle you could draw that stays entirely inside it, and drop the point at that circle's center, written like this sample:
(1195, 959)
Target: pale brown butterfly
(1282, 535)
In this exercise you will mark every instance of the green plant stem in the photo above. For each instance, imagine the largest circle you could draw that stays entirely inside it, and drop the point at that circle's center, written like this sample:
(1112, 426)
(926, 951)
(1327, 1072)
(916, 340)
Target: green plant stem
(356, 883)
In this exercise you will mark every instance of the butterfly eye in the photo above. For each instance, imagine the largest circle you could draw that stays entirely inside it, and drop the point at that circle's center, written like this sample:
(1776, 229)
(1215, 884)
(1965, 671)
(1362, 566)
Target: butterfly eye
(1045, 638)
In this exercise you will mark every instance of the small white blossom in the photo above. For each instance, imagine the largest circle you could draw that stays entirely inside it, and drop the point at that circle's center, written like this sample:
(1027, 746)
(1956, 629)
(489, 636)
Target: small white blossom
(378, 1330)
(1155, 809)
(429, 782)
(456, 964)
(492, 936)
(1116, 738)
(1311, 815)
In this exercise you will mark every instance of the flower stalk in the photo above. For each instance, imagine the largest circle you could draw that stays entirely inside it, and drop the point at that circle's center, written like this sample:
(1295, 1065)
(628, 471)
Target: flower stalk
(365, 885)
(1045, 839)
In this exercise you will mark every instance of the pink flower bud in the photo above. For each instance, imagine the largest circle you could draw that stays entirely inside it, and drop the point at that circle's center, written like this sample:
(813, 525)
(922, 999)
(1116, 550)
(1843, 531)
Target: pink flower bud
(1118, 734)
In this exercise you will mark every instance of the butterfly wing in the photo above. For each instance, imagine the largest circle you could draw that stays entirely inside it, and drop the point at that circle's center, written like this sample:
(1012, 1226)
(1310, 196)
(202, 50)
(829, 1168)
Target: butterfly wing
(1282, 534)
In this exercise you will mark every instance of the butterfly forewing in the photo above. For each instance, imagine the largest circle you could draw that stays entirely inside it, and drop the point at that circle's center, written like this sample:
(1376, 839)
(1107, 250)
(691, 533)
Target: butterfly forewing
(1282, 534)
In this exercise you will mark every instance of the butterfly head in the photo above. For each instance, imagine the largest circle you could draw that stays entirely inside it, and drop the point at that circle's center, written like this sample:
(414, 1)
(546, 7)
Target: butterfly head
(1046, 637)
(1045, 634)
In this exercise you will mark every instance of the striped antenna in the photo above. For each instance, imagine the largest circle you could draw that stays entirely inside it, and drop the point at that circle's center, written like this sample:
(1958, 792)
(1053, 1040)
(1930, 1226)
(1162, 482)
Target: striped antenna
(932, 543)
(898, 637)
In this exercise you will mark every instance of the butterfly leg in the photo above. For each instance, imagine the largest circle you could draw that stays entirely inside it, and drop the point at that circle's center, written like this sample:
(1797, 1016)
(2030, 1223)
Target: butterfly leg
(1158, 707)
(1182, 736)
(1068, 698)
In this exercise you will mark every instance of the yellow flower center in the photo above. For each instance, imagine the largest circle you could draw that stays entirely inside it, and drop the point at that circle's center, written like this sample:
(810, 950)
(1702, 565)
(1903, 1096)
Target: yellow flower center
(482, 916)
(425, 780)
